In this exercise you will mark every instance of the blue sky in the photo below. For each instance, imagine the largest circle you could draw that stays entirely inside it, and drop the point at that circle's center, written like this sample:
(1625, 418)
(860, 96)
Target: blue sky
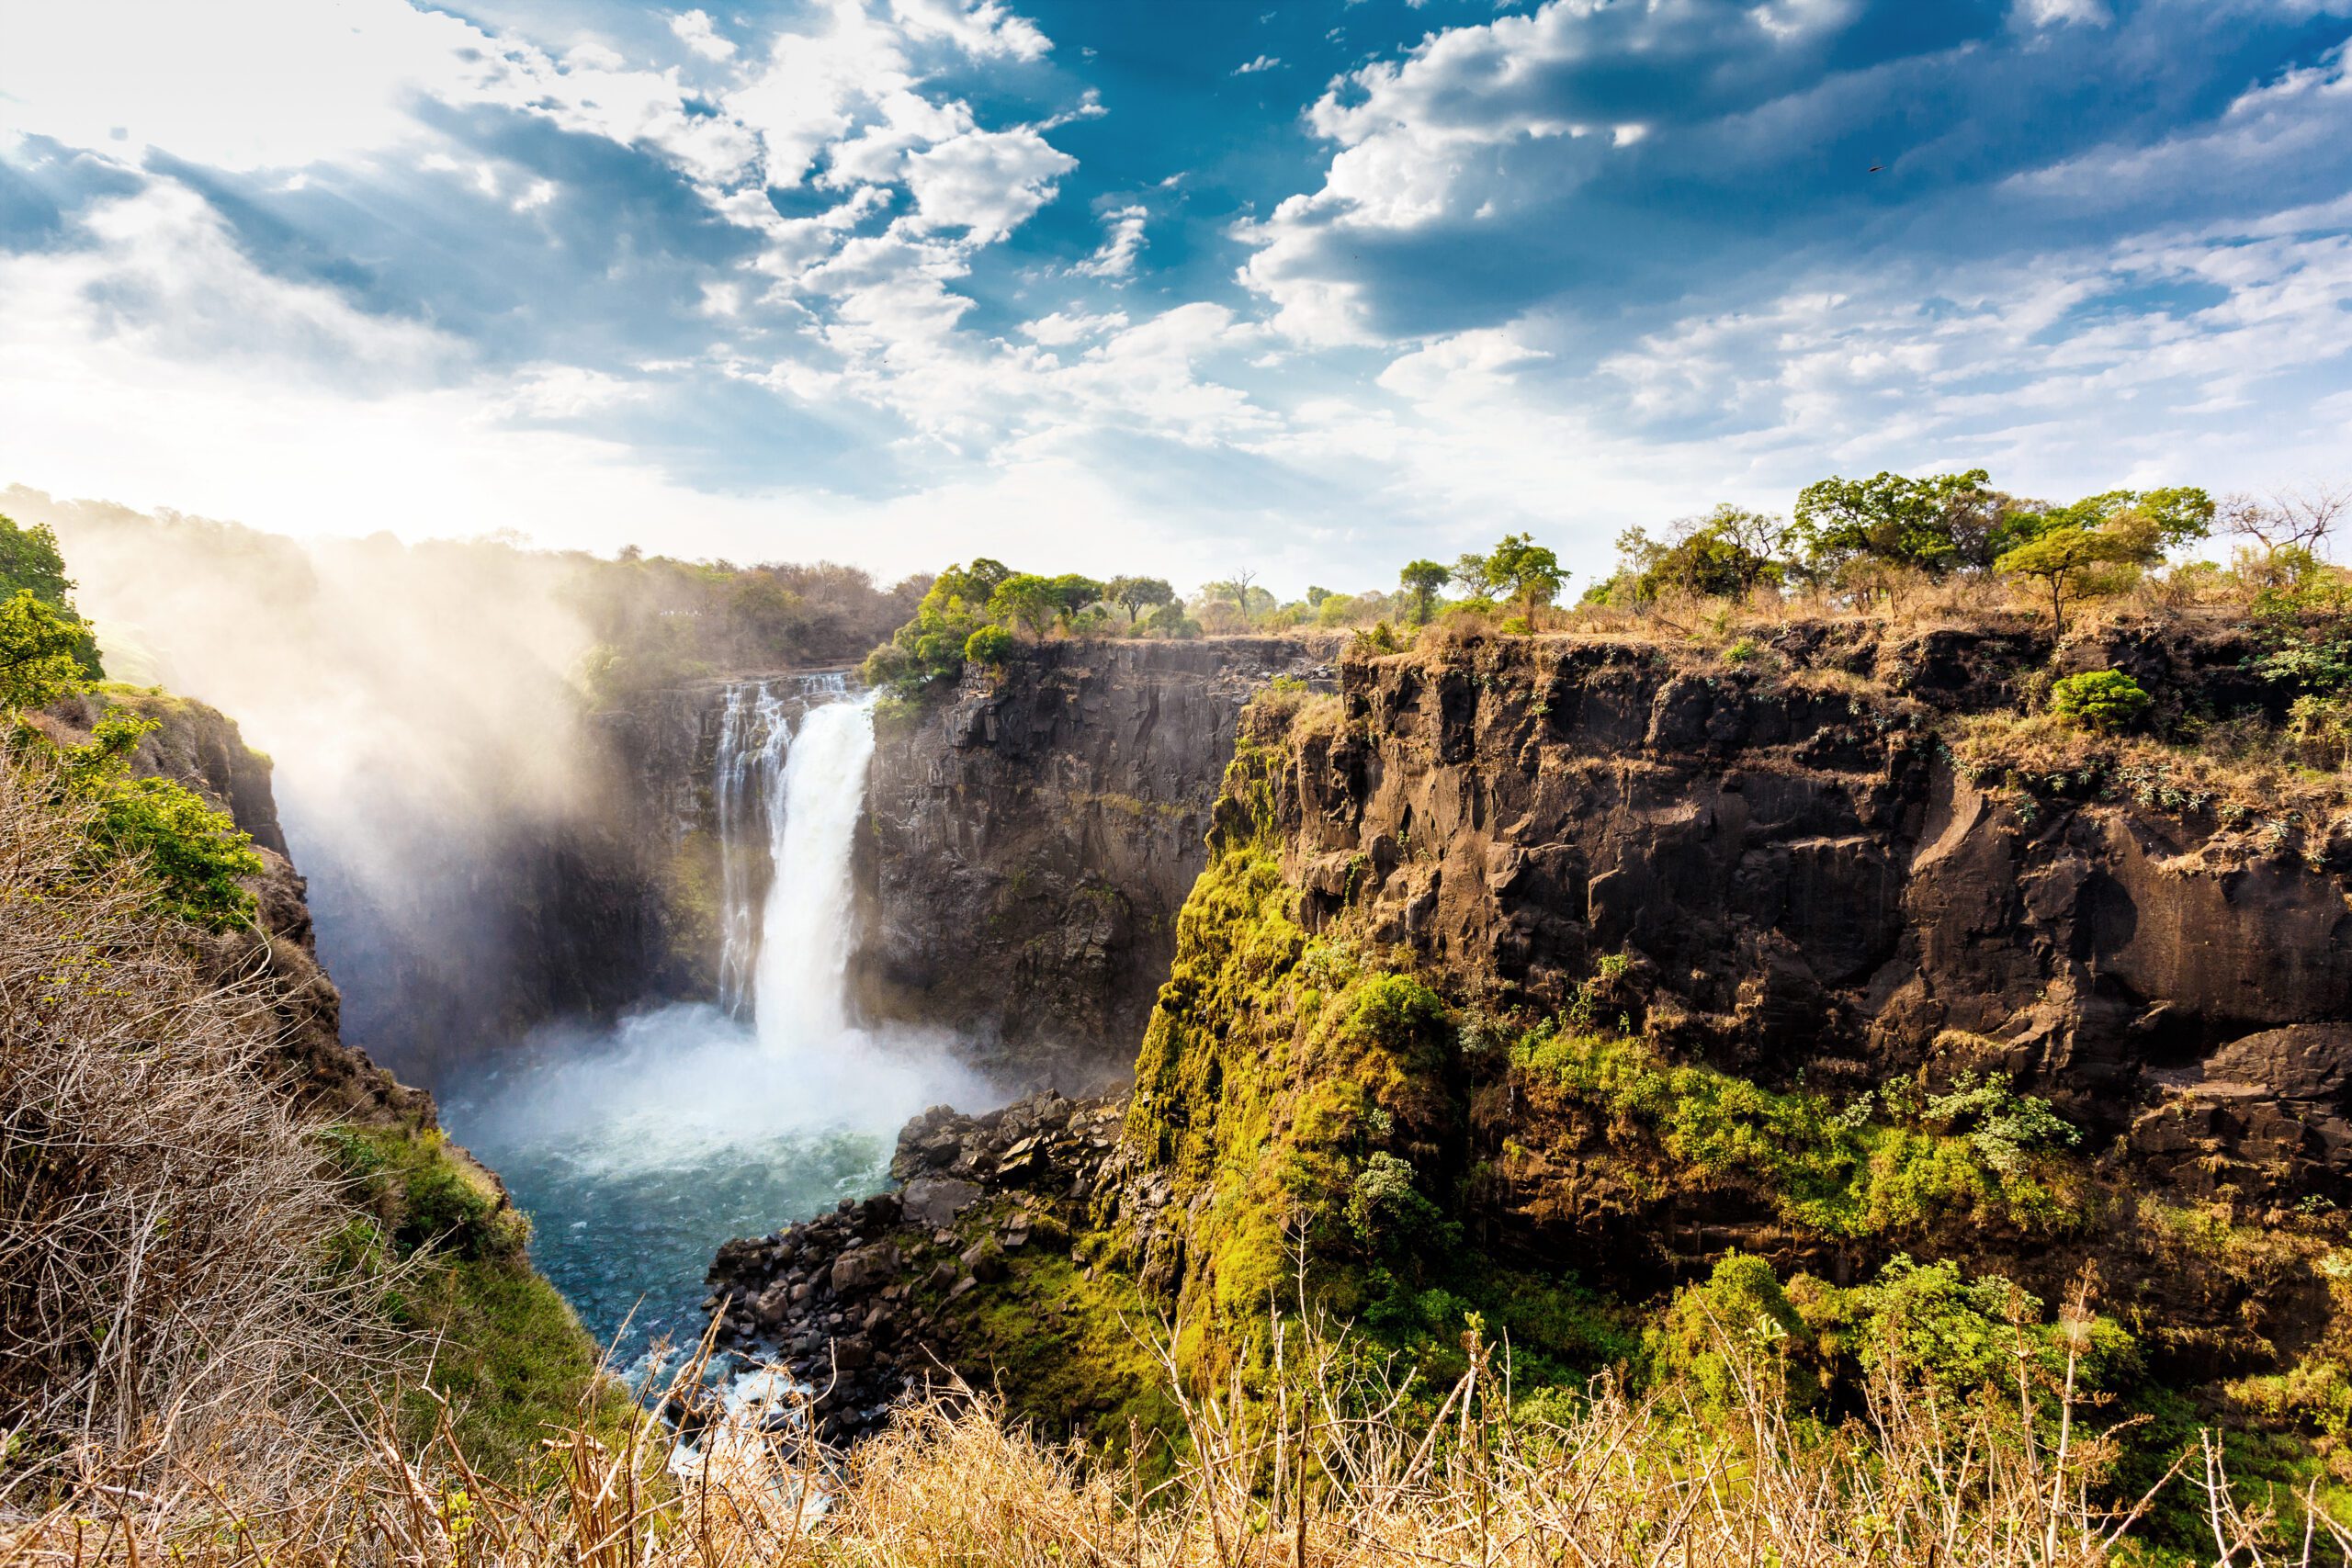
(1306, 286)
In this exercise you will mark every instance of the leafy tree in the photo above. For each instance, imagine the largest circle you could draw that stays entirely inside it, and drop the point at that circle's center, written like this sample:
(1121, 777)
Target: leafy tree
(2172, 518)
(1027, 600)
(1170, 621)
(931, 646)
(2103, 699)
(2068, 561)
(1934, 523)
(1315, 596)
(1137, 595)
(1517, 569)
(39, 651)
(1422, 579)
(30, 561)
(1725, 554)
(1073, 593)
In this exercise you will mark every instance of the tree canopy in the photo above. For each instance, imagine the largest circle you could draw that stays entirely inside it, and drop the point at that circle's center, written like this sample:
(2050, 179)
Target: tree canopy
(1517, 569)
(1934, 523)
(40, 652)
(1137, 595)
(30, 562)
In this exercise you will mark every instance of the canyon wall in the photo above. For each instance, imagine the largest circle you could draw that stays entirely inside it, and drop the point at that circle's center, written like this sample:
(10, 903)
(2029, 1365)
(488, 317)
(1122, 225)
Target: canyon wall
(1528, 979)
(1030, 835)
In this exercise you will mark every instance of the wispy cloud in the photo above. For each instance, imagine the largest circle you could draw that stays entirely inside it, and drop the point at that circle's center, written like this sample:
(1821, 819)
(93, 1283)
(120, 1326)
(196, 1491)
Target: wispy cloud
(1122, 243)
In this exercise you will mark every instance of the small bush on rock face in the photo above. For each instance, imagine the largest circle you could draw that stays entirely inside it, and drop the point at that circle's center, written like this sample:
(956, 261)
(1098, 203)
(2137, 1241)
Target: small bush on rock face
(1736, 1328)
(989, 645)
(2102, 699)
(1386, 1209)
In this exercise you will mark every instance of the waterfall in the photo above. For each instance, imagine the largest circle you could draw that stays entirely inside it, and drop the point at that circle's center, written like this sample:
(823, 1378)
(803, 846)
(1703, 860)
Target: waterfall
(788, 795)
(753, 734)
(803, 967)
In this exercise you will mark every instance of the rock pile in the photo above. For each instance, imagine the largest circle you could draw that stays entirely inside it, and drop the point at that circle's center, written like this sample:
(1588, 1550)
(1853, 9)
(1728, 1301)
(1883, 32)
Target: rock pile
(855, 1302)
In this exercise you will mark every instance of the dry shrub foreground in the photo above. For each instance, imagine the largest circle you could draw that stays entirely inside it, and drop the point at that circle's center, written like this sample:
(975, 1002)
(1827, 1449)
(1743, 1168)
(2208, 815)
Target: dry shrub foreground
(1321, 1466)
(168, 1288)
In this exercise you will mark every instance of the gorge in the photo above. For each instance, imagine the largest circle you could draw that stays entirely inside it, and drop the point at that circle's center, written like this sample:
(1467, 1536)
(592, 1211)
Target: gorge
(1534, 986)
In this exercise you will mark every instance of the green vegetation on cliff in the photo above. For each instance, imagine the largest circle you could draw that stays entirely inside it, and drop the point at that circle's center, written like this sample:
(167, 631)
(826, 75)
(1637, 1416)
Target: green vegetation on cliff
(506, 1353)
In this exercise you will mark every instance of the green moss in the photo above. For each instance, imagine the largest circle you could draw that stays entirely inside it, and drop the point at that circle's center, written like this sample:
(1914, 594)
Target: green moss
(512, 1359)
(506, 1350)
(1070, 1348)
(1830, 1171)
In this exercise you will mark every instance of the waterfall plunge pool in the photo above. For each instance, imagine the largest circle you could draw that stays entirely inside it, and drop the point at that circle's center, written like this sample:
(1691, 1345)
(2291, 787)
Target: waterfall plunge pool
(638, 1149)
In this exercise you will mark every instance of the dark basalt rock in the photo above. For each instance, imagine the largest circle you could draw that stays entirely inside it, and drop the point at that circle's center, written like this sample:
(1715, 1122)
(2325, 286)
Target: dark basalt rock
(1029, 841)
(846, 1301)
(1802, 882)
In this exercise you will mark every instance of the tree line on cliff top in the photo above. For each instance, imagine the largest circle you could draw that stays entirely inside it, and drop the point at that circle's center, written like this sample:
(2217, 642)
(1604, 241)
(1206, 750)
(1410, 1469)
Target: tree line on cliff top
(1847, 545)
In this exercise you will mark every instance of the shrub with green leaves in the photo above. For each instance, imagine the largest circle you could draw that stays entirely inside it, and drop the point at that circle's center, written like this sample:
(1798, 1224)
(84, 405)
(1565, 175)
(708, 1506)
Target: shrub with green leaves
(1387, 1210)
(2103, 699)
(1738, 1325)
(31, 563)
(199, 857)
(2005, 1127)
(39, 648)
(989, 646)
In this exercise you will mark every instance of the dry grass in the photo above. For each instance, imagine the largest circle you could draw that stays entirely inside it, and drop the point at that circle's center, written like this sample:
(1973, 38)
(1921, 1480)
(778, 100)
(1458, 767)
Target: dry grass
(166, 1289)
(1331, 1463)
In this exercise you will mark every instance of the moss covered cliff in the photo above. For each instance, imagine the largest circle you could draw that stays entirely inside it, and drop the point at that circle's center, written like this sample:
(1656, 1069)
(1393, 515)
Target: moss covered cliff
(492, 1338)
(1583, 991)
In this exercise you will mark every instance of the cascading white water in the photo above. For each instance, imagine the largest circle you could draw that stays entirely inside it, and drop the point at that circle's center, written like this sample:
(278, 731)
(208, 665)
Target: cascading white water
(788, 799)
(752, 735)
(801, 977)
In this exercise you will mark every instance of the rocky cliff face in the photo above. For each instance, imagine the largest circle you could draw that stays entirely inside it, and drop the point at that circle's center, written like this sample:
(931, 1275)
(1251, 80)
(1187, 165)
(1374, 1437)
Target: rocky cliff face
(870, 1300)
(202, 748)
(1802, 875)
(1030, 840)
(1529, 978)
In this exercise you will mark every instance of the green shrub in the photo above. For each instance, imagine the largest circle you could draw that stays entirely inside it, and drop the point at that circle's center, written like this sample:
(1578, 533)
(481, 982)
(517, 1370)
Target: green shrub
(2102, 699)
(39, 650)
(1387, 1210)
(2007, 1126)
(1737, 1324)
(197, 857)
(989, 646)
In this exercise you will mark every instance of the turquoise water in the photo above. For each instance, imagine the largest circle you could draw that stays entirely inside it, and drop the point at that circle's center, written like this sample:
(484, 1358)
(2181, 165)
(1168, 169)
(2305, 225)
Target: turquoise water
(638, 1151)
